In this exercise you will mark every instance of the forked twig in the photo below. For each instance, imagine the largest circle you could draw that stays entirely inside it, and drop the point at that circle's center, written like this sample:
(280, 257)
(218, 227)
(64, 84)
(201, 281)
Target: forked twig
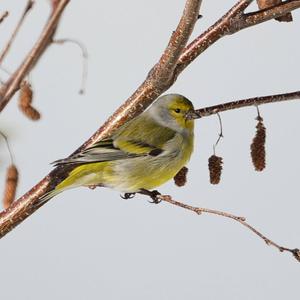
(13, 83)
(241, 220)
(28, 7)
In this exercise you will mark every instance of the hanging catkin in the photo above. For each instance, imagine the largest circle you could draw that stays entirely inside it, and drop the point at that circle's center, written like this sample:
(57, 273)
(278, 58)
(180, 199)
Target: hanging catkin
(180, 177)
(11, 183)
(258, 152)
(25, 100)
(215, 168)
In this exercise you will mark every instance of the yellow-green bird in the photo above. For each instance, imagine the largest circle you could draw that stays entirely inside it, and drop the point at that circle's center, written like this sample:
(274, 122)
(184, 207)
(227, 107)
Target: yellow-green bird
(142, 154)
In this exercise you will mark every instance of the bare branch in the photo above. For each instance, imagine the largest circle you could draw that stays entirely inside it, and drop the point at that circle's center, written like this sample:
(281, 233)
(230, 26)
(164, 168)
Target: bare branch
(255, 101)
(143, 97)
(241, 220)
(233, 21)
(262, 4)
(28, 7)
(274, 12)
(158, 80)
(168, 61)
(3, 16)
(13, 83)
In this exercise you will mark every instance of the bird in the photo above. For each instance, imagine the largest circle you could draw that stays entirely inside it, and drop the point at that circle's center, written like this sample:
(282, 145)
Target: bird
(142, 154)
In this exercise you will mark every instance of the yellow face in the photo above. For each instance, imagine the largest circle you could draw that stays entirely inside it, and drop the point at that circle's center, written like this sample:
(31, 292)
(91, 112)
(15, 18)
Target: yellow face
(178, 108)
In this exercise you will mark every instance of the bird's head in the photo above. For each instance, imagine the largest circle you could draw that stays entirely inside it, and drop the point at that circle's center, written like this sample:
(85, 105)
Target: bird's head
(172, 111)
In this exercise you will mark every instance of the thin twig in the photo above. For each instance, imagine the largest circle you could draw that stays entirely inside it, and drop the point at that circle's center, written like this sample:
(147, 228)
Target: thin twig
(241, 220)
(255, 101)
(84, 54)
(220, 133)
(3, 16)
(28, 7)
(233, 21)
(8, 147)
(13, 83)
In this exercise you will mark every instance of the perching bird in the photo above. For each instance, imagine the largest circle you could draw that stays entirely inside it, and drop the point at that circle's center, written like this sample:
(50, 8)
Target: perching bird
(141, 155)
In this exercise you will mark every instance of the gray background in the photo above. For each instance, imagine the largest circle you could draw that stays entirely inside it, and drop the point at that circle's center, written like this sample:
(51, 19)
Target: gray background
(92, 244)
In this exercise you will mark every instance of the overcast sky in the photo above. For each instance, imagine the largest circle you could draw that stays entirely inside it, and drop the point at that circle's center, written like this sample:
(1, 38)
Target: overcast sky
(88, 244)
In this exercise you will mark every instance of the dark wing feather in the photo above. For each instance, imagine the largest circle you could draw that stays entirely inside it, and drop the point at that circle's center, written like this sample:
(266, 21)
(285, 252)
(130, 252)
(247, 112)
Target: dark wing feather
(106, 151)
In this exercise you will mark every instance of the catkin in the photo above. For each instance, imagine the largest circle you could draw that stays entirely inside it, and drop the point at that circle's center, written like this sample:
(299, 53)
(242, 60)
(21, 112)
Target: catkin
(25, 100)
(11, 183)
(258, 152)
(215, 169)
(262, 4)
(180, 177)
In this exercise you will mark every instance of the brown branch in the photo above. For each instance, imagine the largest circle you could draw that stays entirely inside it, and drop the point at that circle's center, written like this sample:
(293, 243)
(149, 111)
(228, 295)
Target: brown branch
(158, 80)
(233, 21)
(262, 4)
(168, 61)
(264, 15)
(144, 95)
(255, 101)
(45, 39)
(3, 16)
(241, 220)
(28, 7)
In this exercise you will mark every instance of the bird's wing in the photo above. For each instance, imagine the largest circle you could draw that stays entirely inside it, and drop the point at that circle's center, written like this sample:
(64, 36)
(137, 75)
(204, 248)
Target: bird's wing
(139, 137)
(107, 150)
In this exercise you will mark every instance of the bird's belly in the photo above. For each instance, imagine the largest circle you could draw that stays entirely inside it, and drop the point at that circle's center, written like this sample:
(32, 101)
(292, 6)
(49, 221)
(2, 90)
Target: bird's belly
(143, 172)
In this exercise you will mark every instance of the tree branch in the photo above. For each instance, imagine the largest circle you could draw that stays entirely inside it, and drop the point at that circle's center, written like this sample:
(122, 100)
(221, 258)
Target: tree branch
(233, 21)
(241, 220)
(144, 95)
(255, 101)
(28, 7)
(13, 84)
(264, 15)
(158, 80)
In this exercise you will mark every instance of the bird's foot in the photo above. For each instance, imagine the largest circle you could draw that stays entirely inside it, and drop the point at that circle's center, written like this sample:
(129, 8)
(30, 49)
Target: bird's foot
(127, 196)
(152, 194)
(93, 186)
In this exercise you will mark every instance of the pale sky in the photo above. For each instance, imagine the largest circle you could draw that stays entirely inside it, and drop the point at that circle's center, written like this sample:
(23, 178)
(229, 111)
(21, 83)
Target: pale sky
(87, 244)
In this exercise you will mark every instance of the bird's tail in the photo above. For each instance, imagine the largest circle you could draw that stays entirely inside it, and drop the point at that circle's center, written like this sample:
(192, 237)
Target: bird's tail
(47, 196)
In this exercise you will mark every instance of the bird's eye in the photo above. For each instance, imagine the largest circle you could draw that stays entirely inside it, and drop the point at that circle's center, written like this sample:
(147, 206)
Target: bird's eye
(177, 110)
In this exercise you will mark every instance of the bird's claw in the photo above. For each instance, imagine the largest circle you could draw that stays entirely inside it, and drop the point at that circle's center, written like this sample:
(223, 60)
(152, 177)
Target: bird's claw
(127, 196)
(153, 195)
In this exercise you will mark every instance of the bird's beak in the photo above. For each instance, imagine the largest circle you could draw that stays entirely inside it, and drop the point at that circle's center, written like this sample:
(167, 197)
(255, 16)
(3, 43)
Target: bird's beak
(191, 114)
